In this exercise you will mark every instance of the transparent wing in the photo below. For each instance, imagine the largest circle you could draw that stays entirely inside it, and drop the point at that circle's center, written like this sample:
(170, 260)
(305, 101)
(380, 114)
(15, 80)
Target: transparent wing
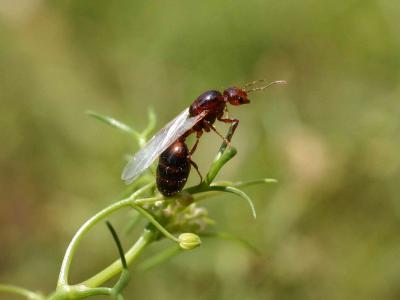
(158, 143)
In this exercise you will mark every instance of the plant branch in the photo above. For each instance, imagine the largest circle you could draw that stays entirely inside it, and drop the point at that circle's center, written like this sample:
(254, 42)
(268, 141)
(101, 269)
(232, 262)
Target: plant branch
(84, 229)
(12, 289)
(153, 221)
(220, 160)
(116, 267)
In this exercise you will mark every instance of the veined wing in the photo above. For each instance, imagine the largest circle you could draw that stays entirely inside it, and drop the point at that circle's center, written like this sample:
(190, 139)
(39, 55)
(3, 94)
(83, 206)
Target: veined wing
(158, 144)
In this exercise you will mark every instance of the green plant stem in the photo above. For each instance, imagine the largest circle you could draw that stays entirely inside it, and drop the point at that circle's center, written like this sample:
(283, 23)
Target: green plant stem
(150, 200)
(153, 221)
(77, 292)
(12, 289)
(116, 267)
(84, 229)
(122, 282)
(90, 287)
(220, 160)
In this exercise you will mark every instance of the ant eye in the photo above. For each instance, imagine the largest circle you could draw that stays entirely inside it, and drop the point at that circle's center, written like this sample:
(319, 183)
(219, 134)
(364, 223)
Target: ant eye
(241, 100)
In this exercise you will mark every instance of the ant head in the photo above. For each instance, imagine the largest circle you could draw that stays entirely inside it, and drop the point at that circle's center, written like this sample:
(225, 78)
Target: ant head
(236, 96)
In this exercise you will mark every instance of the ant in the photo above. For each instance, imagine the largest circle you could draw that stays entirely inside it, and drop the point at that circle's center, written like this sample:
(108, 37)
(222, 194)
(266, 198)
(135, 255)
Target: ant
(169, 143)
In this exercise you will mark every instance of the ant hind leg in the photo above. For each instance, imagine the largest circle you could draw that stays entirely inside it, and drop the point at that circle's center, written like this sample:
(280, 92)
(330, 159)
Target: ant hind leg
(196, 168)
(198, 135)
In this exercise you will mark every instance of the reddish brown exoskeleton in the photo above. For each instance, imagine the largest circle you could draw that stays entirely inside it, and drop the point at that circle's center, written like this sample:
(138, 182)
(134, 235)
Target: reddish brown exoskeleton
(173, 168)
(169, 142)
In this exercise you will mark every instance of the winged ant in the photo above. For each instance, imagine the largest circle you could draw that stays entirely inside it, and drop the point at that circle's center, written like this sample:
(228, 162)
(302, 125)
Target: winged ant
(175, 159)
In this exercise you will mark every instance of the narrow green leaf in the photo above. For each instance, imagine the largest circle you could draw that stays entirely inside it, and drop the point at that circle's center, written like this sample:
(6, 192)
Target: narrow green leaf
(118, 242)
(254, 182)
(114, 123)
(152, 123)
(236, 191)
(160, 257)
(234, 238)
(125, 276)
(205, 193)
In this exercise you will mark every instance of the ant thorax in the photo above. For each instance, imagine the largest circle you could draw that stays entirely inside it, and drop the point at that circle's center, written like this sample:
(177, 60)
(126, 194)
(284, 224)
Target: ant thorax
(211, 101)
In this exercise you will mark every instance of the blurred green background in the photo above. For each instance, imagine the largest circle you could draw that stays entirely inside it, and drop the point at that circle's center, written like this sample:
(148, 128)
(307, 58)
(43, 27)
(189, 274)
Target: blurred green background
(328, 230)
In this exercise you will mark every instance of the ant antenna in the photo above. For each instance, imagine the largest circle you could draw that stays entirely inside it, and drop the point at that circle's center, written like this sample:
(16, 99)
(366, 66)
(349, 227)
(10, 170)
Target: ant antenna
(253, 83)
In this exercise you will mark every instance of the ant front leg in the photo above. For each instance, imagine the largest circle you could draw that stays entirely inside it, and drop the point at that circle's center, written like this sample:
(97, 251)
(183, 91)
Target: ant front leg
(211, 126)
(234, 123)
(226, 112)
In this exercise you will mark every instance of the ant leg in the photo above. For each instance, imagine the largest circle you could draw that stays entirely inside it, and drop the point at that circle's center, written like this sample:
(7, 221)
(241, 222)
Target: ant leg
(198, 135)
(227, 141)
(226, 112)
(196, 168)
(234, 123)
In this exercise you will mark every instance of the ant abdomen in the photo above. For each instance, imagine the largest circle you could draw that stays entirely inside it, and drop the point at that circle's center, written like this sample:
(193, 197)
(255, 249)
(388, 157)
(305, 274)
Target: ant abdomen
(173, 169)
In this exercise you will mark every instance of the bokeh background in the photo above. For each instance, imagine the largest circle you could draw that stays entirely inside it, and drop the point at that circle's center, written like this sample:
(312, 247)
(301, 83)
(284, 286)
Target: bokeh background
(328, 230)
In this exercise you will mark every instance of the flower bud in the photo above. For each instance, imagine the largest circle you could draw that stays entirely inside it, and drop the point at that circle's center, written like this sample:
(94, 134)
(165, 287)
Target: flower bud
(189, 241)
